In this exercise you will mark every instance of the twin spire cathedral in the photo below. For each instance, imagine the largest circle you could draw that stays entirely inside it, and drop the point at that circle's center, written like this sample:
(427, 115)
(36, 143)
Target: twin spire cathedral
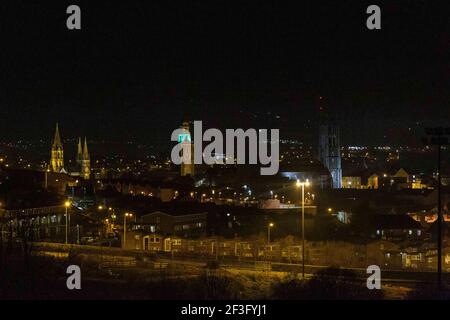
(83, 160)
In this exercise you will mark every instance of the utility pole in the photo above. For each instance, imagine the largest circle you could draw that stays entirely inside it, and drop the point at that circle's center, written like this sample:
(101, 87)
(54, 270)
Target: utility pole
(438, 138)
(440, 221)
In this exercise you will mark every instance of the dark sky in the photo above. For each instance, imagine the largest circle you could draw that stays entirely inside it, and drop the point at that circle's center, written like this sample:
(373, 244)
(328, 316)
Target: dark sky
(138, 67)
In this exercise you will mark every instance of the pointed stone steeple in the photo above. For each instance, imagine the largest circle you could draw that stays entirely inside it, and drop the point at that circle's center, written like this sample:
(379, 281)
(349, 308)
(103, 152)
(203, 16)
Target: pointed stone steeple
(85, 151)
(57, 153)
(79, 151)
(85, 162)
(57, 139)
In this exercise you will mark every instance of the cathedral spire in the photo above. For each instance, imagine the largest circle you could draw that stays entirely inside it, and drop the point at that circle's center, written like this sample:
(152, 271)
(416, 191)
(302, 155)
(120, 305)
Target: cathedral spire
(85, 162)
(79, 151)
(57, 153)
(85, 150)
(57, 139)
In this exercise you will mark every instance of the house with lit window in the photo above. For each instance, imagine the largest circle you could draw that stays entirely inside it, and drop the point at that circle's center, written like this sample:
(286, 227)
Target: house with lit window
(396, 227)
(183, 225)
(152, 242)
(351, 182)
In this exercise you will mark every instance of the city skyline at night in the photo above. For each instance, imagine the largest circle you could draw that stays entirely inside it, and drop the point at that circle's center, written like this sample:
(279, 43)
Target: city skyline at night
(226, 156)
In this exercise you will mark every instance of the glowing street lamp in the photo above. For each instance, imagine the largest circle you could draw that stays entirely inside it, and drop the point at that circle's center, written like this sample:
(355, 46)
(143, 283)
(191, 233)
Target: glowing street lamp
(67, 205)
(269, 226)
(302, 185)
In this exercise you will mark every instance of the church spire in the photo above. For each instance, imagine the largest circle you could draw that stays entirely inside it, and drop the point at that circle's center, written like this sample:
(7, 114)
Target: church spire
(85, 162)
(85, 150)
(79, 151)
(57, 139)
(57, 153)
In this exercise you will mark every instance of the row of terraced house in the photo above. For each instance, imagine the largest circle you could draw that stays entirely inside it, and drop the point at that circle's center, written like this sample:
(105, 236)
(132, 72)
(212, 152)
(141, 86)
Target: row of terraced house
(384, 253)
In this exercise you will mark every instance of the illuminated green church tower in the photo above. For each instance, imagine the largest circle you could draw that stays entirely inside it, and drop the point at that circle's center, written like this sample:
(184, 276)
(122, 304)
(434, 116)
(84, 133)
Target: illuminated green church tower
(187, 167)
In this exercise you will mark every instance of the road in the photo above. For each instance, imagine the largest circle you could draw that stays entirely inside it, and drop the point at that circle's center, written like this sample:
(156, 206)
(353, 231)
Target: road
(387, 276)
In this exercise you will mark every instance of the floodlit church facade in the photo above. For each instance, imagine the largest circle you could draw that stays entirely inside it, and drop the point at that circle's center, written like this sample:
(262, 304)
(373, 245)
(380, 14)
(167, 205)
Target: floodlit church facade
(83, 159)
(57, 153)
(330, 151)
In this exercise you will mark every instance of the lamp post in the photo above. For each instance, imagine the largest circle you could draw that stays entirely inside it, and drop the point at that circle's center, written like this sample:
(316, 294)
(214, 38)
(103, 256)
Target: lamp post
(269, 225)
(67, 205)
(125, 227)
(302, 185)
(107, 226)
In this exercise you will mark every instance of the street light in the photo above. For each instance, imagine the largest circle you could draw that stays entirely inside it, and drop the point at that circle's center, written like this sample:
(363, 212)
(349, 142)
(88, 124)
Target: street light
(67, 205)
(107, 226)
(302, 185)
(125, 227)
(269, 225)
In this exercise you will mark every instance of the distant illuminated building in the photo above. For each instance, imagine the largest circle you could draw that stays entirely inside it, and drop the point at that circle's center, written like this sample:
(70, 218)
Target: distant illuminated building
(187, 166)
(57, 153)
(79, 152)
(329, 152)
(417, 183)
(372, 182)
(85, 162)
(351, 182)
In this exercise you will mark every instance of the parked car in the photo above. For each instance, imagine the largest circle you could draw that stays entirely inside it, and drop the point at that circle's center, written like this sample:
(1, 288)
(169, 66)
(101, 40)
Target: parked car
(87, 240)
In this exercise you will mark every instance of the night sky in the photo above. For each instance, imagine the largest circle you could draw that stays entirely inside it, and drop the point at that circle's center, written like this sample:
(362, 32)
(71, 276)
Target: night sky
(138, 67)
